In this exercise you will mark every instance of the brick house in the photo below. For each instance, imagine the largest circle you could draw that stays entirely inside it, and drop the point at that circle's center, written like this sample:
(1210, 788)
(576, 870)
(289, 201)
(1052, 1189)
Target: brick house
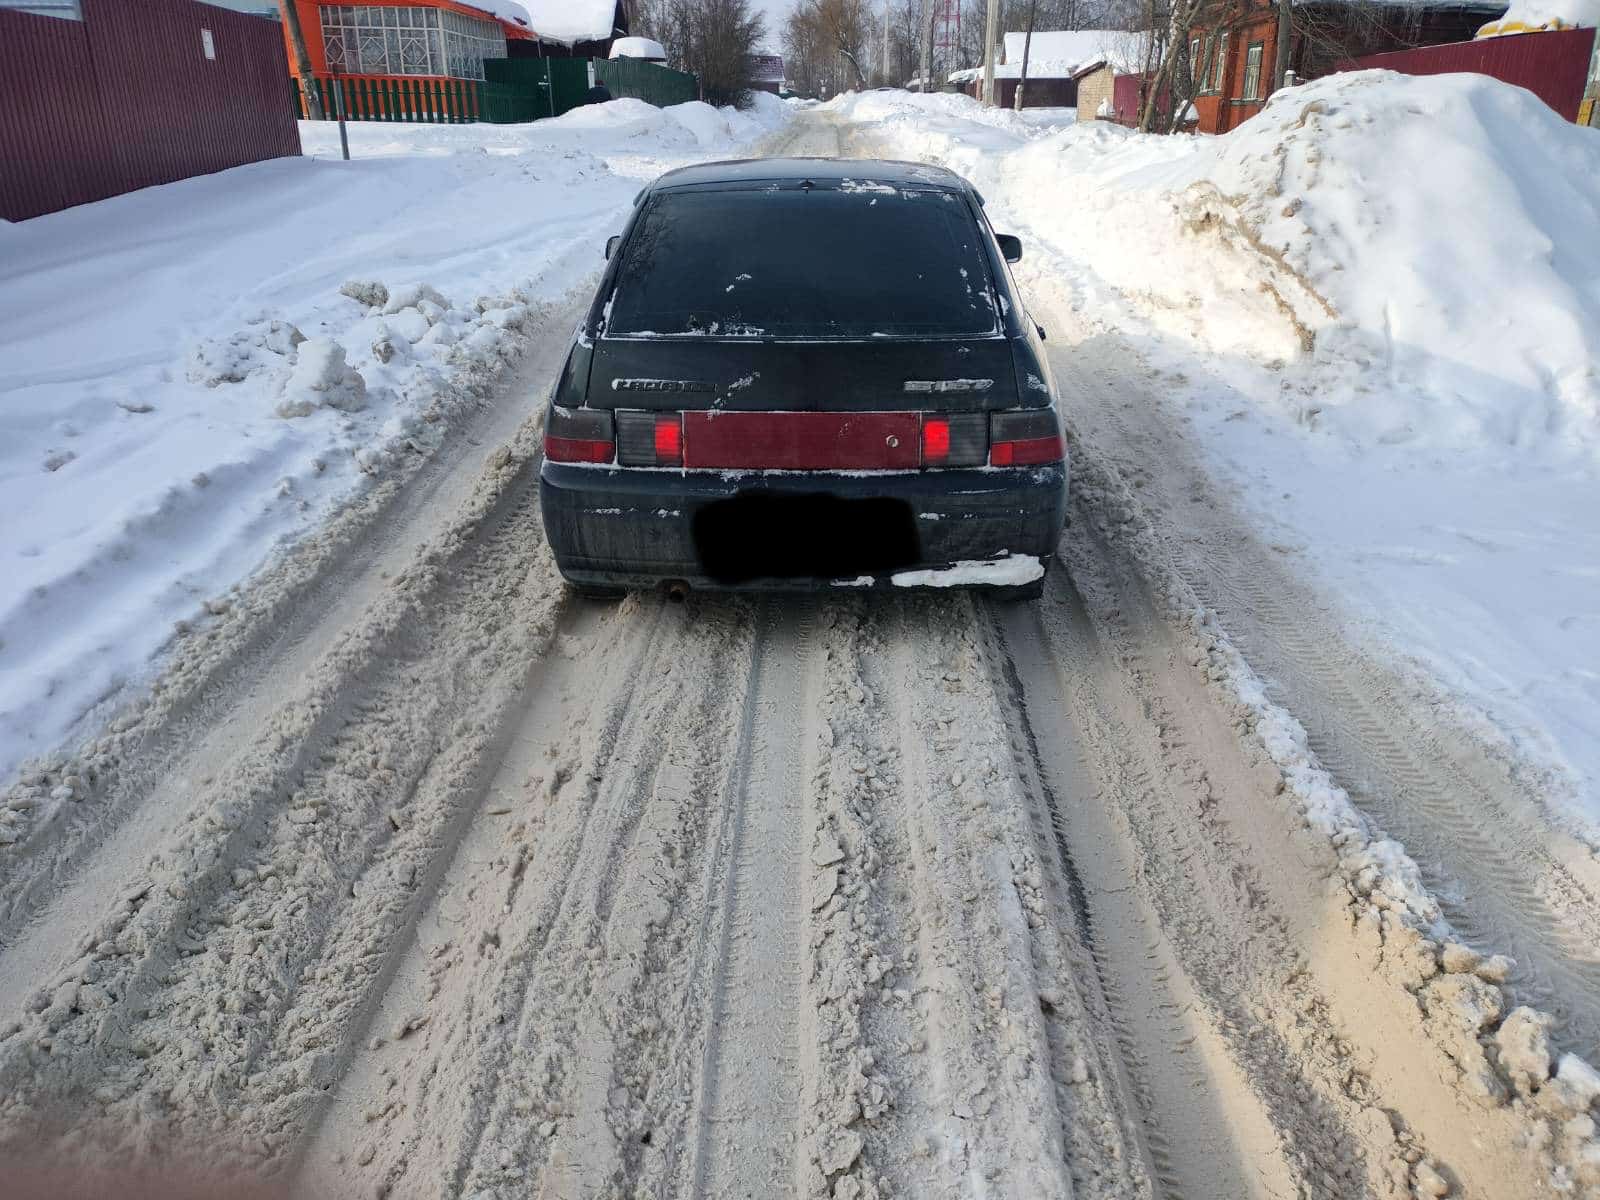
(1233, 45)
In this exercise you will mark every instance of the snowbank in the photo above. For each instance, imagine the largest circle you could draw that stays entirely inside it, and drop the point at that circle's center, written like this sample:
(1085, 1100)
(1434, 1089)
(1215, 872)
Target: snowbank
(195, 373)
(1380, 302)
(1472, 284)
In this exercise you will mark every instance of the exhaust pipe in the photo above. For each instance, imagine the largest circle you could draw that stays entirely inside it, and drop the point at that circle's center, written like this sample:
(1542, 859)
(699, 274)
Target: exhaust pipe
(677, 591)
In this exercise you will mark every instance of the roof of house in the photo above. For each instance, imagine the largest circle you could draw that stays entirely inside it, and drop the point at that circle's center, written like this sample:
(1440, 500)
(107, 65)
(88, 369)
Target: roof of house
(505, 10)
(766, 68)
(571, 21)
(1062, 53)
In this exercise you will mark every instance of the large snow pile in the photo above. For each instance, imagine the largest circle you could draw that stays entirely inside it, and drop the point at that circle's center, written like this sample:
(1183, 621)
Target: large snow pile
(1444, 229)
(1530, 16)
(193, 373)
(1451, 226)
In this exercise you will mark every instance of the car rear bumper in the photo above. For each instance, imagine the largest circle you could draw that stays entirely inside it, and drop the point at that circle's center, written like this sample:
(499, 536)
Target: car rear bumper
(794, 531)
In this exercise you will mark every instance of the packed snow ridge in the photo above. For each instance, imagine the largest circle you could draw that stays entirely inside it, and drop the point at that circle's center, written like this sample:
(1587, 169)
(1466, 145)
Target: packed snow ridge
(196, 375)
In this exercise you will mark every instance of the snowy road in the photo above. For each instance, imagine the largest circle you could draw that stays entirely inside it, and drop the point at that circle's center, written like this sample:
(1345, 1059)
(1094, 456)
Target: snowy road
(434, 880)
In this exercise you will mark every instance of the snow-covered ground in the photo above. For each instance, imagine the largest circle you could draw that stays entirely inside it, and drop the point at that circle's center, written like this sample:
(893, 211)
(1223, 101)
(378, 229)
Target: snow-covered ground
(1378, 305)
(166, 426)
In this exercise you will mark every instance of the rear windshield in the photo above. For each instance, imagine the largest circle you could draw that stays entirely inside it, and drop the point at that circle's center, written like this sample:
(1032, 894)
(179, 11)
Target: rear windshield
(857, 261)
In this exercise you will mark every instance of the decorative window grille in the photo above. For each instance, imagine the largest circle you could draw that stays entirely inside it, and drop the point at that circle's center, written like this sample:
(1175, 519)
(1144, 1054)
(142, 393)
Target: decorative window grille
(383, 39)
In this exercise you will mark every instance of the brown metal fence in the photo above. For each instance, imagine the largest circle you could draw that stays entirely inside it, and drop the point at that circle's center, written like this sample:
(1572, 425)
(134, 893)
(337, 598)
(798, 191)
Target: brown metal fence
(127, 98)
(1553, 65)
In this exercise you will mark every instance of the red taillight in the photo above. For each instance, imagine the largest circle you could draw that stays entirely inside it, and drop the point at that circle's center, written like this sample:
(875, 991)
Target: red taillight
(576, 450)
(579, 435)
(669, 440)
(1028, 452)
(935, 440)
(1025, 438)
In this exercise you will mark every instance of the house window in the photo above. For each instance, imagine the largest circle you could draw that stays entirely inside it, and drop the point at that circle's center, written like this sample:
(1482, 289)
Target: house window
(67, 9)
(374, 39)
(1252, 72)
(1219, 63)
(1194, 61)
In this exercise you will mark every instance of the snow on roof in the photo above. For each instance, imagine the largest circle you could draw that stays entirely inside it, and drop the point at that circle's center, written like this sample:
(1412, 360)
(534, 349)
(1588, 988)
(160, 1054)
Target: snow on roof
(639, 47)
(1060, 54)
(505, 10)
(570, 21)
(1531, 16)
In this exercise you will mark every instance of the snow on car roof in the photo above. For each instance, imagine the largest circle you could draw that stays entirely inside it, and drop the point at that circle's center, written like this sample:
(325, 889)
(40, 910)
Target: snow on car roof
(830, 170)
(571, 21)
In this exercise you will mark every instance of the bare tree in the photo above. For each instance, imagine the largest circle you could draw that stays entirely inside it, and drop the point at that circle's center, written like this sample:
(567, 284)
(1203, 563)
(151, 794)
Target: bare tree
(1027, 47)
(715, 39)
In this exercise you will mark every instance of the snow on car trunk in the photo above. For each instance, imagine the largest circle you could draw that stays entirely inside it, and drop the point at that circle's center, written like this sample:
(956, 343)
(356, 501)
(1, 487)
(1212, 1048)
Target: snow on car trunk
(193, 374)
(1378, 303)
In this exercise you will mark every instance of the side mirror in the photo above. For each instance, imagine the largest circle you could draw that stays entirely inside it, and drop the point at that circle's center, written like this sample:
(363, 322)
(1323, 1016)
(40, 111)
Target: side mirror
(611, 244)
(1010, 246)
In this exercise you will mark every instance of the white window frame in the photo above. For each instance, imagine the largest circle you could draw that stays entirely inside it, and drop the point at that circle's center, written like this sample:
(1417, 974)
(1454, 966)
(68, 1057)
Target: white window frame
(1253, 55)
(1219, 61)
(67, 10)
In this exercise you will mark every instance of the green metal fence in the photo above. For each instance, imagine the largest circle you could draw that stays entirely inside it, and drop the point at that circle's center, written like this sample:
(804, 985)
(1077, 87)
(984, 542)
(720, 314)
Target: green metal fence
(368, 98)
(647, 81)
(554, 85)
(515, 90)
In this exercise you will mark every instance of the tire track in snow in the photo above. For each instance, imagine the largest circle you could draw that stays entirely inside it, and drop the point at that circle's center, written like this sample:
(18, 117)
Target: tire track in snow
(146, 770)
(609, 973)
(447, 962)
(747, 1116)
(180, 987)
(1503, 877)
(1199, 1124)
(1000, 973)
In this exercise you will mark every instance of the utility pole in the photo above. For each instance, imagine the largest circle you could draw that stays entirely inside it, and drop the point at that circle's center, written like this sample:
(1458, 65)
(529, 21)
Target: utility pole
(302, 65)
(991, 34)
(1280, 63)
(1027, 46)
(888, 10)
(927, 42)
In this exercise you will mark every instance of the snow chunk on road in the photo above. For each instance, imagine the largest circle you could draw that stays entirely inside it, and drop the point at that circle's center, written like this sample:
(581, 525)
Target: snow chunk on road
(322, 378)
(1010, 571)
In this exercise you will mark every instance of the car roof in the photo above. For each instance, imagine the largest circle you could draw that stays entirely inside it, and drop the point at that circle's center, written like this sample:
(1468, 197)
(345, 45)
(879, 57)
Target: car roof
(822, 170)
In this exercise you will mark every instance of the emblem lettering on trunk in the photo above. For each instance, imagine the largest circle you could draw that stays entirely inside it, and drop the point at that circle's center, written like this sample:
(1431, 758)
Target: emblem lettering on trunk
(662, 385)
(948, 385)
